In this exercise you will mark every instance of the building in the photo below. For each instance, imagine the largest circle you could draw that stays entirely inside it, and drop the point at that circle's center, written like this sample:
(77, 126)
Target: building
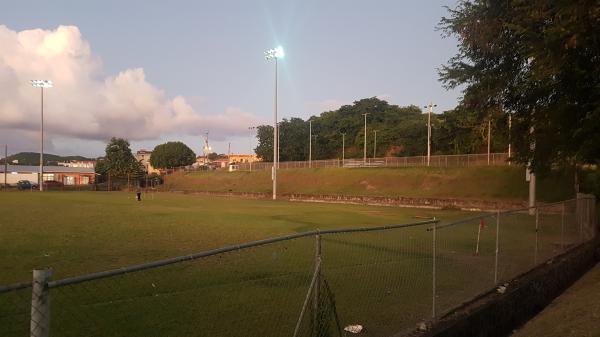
(65, 175)
(143, 156)
(243, 158)
(78, 163)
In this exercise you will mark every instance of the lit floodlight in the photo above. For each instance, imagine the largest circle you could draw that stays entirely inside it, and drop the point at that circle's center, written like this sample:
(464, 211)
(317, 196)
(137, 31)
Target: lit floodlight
(41, 83)
(276, 53)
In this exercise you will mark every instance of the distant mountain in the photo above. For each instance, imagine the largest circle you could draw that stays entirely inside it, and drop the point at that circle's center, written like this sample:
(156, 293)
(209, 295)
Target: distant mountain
(33, 158)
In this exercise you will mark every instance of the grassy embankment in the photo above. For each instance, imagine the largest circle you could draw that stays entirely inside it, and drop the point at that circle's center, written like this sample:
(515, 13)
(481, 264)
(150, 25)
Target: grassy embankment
(490, 183)
(379, 279)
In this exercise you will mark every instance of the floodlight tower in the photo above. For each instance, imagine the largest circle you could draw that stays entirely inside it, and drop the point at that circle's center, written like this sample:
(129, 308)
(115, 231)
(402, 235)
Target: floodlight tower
(41, 84)
(206, 149)
(430, 106)
(275, 54)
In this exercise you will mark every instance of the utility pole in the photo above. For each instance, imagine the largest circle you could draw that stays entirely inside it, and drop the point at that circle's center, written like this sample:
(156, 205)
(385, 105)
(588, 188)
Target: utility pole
(343, 148)
(509, 137)
(489, 137)
(229, 153)
(531, 176)
(429, 112)
(365, 146)
(309, 144)
(5, 164)
(375, 144)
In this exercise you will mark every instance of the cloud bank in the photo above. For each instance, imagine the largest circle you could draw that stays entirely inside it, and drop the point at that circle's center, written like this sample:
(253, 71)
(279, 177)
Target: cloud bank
(85, 103)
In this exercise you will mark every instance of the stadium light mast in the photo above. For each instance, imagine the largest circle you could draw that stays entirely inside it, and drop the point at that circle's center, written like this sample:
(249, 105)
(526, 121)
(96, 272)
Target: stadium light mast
(275, 54)
(365, 146)
(41, 84)
(429, 112)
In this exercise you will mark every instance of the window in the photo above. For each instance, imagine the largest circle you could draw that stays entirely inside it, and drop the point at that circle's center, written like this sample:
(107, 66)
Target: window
(48, 177)
(69, 180)
(85, 180)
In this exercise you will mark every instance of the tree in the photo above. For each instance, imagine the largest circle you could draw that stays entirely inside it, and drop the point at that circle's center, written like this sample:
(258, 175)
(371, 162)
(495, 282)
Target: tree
(119, 161)
(539, 61)
(264, 149)
(172, 154)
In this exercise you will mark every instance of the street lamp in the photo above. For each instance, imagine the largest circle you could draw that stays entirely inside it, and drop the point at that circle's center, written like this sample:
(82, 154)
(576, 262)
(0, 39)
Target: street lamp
(275, 54)
(41, 84)
(429, 112)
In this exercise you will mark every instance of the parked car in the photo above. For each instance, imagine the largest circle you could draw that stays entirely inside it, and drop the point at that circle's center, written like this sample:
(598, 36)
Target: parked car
(52, 184)
(26, 185)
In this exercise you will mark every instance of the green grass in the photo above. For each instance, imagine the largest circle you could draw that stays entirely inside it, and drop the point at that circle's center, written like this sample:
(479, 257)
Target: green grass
(379, 279)
(490, 183)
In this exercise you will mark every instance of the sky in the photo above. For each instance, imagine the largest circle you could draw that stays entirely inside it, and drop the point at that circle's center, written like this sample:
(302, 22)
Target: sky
(157, 71)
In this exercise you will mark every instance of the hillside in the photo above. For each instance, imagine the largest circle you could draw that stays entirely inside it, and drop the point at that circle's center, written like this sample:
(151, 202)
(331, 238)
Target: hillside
(490, 183)
(33, 158)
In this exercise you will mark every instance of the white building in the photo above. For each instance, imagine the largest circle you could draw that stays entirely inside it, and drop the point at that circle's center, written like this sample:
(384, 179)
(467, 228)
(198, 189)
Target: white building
(65, 175)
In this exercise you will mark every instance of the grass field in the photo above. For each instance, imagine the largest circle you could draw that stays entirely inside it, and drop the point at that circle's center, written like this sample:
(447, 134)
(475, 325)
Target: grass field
(379, 279)
(489, 183)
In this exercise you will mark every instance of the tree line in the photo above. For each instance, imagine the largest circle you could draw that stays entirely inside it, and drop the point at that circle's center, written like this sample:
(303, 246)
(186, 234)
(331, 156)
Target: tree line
(401, 131)
(535, 61)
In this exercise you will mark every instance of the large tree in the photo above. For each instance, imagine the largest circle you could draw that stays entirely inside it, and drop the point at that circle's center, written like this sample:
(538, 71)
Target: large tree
(118, 160)
(538, 60)
(172, 154)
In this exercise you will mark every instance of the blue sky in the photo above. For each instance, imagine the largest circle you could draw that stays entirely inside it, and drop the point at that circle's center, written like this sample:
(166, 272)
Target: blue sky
(211, 53)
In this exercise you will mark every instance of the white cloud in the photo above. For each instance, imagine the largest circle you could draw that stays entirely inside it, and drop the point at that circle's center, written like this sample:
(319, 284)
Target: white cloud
(86, 104)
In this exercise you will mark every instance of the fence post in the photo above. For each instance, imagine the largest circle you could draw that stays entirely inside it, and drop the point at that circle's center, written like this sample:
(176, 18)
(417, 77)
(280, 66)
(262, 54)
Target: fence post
(497, 245)
(317, 285)
(535, 255)
(433, 270)
(40, 303)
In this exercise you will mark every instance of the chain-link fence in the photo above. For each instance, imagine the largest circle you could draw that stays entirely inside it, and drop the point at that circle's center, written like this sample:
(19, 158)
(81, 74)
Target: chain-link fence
(379, 280)
(458, 160)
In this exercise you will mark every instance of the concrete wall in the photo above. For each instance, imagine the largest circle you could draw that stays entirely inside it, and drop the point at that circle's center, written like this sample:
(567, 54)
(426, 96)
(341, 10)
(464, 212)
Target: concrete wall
(497, 315)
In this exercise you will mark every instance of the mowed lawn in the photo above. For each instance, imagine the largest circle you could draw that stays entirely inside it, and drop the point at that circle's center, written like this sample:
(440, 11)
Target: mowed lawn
(379, 279)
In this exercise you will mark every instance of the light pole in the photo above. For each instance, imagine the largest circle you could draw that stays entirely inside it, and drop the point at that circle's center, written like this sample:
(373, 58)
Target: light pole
(429, 112)
(275, 54)
(343, 148)
(309, 144)
(365, 147)
(509, 137)
(375, 144)
(41, 84)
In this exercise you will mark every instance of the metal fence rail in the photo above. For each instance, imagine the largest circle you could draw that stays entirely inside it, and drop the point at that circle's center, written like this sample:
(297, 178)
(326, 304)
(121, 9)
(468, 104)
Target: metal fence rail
(316, 283)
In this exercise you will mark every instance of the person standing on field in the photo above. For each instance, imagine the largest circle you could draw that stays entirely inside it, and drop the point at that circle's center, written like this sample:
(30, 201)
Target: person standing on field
(138, 193)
